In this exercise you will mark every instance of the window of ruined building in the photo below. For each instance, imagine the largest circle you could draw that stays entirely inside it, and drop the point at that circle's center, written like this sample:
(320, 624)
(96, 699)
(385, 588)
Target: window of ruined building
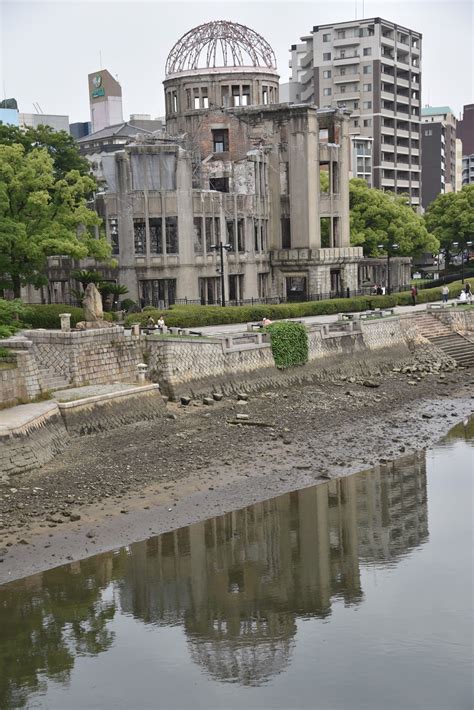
(160, 293)
(230, 233)
(324, 178)
(236, 99)
(256, 234)
(272, 95)
(262, 285)
(221, 184)
(175, 102)
(156, 235)
(188, 98)
(197, 232)
(240, 235)
(139, 231)
(263, 235)
(285, 233)
(114, 235)
(171, 225)
(209, 290)
(245, 95)
(325, 225)
(209, 226)
(217, 230)
(264, 94)
(335, 178)
(323, 135)
(220, 140)
(196, 99)
(225, 95)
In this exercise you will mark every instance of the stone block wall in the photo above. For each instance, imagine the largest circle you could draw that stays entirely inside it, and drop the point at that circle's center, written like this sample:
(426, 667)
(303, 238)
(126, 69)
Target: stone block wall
(87, 357)
(12, 386)
(383, 333)
(461, 321)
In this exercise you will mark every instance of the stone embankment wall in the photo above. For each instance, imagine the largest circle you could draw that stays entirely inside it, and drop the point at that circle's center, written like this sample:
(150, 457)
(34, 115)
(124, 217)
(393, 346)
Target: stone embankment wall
(32, 439)
(197, 367)
(35, 433)
(462, 321)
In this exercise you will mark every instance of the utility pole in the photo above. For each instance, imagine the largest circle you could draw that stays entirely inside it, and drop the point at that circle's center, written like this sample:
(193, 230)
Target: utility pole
(220, 248)
(389, 247)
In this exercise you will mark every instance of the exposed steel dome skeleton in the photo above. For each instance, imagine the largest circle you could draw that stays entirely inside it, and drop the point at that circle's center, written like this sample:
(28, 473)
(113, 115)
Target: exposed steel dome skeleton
(221, 44)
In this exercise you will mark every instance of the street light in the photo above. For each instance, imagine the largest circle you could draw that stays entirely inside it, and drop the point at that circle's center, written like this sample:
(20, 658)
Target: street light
(388, 247)
(468, 244)
(220, 248)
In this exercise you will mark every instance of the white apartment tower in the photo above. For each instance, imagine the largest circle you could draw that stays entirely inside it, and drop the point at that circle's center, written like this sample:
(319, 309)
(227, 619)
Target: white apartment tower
(373, 69)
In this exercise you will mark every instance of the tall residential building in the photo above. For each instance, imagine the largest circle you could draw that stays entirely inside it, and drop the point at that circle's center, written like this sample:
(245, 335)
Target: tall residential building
(468, 169)
(105, 100)
(373, 69)
(466, 129)
(438, 151)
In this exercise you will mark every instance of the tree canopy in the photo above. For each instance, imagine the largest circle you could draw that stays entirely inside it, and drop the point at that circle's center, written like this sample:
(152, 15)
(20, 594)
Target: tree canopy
(382, 218)
(42, 213)
(60, 145)
(450, 217)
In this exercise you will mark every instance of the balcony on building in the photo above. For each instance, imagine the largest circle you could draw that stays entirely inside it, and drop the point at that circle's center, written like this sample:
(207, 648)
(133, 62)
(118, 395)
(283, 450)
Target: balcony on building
(346, 78)
(346, 60)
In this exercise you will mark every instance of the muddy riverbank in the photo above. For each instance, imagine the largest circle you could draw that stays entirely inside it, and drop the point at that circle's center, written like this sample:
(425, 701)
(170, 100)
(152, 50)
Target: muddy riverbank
(125, 485)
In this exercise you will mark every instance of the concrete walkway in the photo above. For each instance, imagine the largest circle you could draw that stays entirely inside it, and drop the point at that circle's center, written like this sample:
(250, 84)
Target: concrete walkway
(239, 327)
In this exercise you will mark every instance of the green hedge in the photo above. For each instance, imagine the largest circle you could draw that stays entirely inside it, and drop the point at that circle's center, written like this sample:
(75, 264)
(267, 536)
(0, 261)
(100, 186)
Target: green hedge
(289, 343)
(47, 316)
(200, 316)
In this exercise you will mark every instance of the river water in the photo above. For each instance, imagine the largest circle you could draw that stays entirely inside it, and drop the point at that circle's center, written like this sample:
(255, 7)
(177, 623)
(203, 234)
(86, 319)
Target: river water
(356, 593)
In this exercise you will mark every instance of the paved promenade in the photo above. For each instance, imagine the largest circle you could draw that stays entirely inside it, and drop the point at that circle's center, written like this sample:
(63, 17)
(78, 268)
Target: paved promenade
(239, 327)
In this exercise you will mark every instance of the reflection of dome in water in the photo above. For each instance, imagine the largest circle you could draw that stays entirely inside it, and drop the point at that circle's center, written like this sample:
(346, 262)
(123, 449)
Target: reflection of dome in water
(220, 44)
(259, 650)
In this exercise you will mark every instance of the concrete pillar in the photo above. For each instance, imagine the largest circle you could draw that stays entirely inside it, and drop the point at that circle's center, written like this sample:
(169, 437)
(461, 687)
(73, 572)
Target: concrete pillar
(304, 180)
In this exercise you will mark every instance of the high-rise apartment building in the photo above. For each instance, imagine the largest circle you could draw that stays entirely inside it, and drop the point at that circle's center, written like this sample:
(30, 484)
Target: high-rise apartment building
(466, 129)
(468, 169)
(438, 151)
(373, 69)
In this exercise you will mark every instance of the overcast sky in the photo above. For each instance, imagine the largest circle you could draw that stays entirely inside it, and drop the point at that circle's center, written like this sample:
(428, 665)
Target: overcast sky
(49, 48)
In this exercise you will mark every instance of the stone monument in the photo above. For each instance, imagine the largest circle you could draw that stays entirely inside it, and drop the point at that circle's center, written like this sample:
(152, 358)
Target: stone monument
(93, 312)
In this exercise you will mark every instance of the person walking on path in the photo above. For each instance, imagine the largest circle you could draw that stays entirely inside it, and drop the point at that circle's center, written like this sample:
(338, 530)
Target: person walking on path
(445, 293)
(467, 289)
(414, 294)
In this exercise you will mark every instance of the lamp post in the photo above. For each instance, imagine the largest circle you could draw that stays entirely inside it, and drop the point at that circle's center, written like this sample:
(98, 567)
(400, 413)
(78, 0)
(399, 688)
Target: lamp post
(220, 249)
(468, 244)
(389, 248)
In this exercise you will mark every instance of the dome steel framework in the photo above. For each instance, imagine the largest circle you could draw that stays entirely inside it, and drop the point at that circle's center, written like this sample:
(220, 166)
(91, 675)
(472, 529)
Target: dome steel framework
(222, 44)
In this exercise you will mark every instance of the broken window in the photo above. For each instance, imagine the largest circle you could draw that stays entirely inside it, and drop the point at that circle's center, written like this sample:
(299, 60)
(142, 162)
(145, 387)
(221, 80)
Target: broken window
(256, 234)
(156, 235)
(188, 98)
(114, 237)
(205, 98)
(209, 223)
(225, 95)
(220, 184)
(230, 233)
(325, 232)
(245, 95)
(198, 245)
(220, 140)
(160, 293)
(196, 98)
(262, 285)
(171, 224)
(285, 233)
(139, 231)
(236, 95)
(175, 102)
(240, 235)
(264, 94)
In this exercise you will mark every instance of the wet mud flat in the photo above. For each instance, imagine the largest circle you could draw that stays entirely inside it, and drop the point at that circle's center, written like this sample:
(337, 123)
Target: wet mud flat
(203, 460)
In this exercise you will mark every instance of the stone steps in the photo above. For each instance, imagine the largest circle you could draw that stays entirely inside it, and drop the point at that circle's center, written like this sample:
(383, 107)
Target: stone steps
(50, 380)
(458, 347)
(430, 327)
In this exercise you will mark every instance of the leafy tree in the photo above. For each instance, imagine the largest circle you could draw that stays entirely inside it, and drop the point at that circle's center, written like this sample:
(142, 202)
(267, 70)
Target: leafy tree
(450, 217)
(384, 218)
(60, 145)
(41, 215)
